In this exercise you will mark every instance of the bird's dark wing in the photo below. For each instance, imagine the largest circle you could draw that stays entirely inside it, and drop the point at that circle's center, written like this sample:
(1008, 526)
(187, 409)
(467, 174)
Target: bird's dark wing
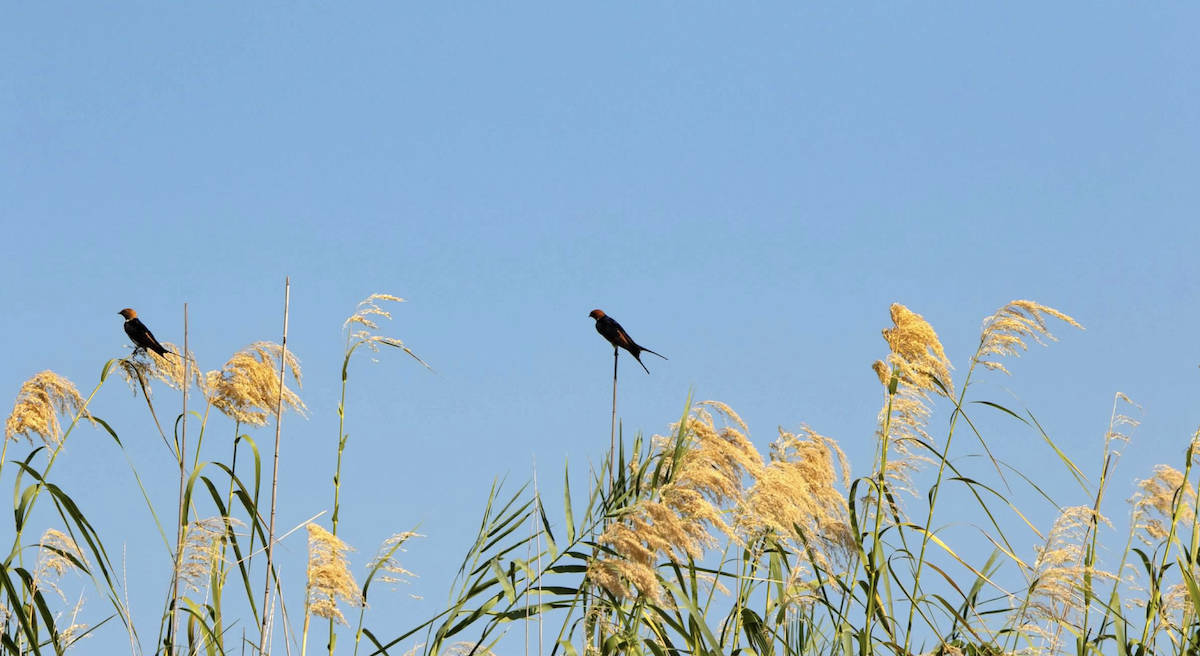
(142, 336)
(613, 332)
(624, 338)
(135, 330)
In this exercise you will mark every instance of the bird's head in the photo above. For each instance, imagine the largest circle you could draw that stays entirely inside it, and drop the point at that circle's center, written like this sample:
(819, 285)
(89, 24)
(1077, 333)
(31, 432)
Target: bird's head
(596, 314)
(128, 313)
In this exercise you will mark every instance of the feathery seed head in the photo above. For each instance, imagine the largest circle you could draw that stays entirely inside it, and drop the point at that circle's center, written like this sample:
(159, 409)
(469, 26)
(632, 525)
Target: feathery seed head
(247, 388)
(916, 355)
(146, 365)
(905, 434)
(883, 371)
(716, 458)
(467, 649)
(798, 489)
(621, 577)
(75, 632)
(39, 403)
(203, 540)
(369, 308)
(1120, 427)
(1005, 331)
(711, 463)
(385, 561)
(1163, 496)
(1060, 570)
(58, 555)
(329, 577)
(916, 359)
(363, 335)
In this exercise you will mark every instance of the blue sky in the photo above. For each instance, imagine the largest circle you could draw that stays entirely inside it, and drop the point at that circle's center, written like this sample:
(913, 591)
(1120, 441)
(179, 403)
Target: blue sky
(745, 188)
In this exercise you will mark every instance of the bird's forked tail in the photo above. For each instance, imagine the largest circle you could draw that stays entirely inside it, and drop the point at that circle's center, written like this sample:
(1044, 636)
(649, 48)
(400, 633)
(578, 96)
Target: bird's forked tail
(643, 348)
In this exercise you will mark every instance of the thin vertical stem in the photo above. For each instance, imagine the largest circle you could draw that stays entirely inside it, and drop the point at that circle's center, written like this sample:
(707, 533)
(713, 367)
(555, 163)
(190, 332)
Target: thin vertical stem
(182, 451)
(528, 556)
(612, 458)
(337, 472)
(262, 641)
(612, 453)
(541, 512)
(872, 564)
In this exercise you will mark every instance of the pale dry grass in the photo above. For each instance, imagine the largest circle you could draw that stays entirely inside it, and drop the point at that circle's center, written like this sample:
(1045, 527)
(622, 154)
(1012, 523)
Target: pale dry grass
(717, 458)
(360, 326)
(1120, 427)
(465, 648)
(390, 571)
(202, 546)
(329, 577)
(916, 359)
(39, 403)
(1155, 502)
(1004, 333)
(1059, 567)
(906, 431)
(677, 524)
(74, 631)
(246, 389)
(361, 323)
(58, 554)
(917, 356)
(798, 488)
(1060, 576)
(146, 366)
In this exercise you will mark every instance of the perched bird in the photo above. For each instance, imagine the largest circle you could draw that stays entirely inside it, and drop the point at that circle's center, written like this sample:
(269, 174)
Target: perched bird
(140, 334)
(616, 335)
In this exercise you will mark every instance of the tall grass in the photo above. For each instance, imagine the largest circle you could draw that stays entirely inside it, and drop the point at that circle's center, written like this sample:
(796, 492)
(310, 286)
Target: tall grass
(698, 541)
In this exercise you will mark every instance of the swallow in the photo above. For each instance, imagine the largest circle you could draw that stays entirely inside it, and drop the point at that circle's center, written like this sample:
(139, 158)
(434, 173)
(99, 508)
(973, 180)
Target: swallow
(140, 334)
(616, 335)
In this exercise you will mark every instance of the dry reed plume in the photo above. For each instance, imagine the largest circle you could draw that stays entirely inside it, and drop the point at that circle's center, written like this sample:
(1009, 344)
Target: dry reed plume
(916, 360)
(798, 489)
(202, 546)
(146, 365)
(1059, 572)
(39, 403)
(389, 569)
(467, 649)
(1005, 332)
(246, 389)
(708, 473)
(1156, 501)
(329, 577)
(58, 554)
(360, 324)
(917, 356)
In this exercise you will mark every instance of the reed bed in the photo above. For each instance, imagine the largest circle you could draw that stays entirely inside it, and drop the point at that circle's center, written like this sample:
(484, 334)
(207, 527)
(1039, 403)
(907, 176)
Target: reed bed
(699, 541)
